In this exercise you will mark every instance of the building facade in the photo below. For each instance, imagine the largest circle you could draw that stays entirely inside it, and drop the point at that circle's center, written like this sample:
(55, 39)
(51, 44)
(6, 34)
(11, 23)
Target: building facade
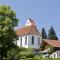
(29, 36)
(52, 48)
(55, 54)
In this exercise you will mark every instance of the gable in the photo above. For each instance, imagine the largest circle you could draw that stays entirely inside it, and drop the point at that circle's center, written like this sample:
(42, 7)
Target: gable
(44, 46)
(30, 22)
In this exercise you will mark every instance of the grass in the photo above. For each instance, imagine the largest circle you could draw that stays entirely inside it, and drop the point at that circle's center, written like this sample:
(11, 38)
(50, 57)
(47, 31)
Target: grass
(41, 59)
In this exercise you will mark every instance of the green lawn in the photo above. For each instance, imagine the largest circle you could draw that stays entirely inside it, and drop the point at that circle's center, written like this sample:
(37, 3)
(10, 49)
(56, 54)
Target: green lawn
(39, 59)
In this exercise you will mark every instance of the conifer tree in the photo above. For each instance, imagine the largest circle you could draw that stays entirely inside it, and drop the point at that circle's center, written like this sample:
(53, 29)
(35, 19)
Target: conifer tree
(52, 34)
(44, 35)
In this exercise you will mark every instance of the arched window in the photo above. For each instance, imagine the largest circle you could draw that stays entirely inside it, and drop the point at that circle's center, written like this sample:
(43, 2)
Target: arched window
(32, 40)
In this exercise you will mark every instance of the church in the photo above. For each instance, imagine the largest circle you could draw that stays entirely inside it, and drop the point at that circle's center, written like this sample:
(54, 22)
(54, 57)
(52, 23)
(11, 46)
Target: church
(29, 36)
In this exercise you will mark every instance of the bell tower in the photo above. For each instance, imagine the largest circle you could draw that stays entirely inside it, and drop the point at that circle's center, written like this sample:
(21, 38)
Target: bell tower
(30, 22)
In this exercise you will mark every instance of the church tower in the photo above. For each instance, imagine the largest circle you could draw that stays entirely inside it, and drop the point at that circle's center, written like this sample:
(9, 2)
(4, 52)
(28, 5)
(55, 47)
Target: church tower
(30, 22)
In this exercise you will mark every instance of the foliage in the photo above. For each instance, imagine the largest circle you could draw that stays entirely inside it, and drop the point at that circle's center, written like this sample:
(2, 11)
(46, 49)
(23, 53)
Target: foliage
(27, 53)
(23, 54)
(20, 53)
(44, 35)
(8, 21)
(13, 53)
(52, 34)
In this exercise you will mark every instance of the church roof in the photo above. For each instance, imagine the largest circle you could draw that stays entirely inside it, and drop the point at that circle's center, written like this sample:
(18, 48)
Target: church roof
(32, 21)
(28, 30)
(54, 43)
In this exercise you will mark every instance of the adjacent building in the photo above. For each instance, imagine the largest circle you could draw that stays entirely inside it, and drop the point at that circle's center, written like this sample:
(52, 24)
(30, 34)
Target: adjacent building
(51, 47)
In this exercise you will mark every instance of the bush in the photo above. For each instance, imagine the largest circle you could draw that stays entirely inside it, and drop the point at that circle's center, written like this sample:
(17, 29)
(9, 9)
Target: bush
(27, 53)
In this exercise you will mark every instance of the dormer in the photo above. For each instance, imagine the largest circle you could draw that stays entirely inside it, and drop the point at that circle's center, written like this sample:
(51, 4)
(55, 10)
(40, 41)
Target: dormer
(30, 22)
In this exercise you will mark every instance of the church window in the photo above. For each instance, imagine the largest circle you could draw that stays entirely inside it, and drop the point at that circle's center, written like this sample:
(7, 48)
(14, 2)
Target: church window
(21, 41)
(26, 40)
(38, 40)
(32, 40)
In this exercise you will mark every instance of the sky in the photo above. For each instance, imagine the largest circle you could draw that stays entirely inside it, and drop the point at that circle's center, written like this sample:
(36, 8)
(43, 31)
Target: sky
(43, 12)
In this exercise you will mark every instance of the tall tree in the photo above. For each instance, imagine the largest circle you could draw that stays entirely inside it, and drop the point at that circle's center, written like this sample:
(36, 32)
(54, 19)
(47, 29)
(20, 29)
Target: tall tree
(44, 35)
(52, 34)
(8, 21)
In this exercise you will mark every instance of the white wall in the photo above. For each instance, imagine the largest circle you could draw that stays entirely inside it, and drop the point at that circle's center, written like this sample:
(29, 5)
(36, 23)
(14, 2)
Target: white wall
(18, 42)
(29, 40)
(57, 54)
(23, 41)
(52, 55)
(28, 23)
(35, 45)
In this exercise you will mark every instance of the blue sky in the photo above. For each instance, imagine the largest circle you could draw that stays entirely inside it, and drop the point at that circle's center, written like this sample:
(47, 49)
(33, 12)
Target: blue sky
(44, 12)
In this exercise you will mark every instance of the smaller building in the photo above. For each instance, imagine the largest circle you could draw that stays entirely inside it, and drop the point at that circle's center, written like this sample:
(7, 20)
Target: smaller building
(52, 47)
(29, 36)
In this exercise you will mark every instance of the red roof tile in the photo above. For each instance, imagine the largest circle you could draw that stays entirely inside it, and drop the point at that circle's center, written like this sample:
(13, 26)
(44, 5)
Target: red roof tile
(27, 30)
(54, 43)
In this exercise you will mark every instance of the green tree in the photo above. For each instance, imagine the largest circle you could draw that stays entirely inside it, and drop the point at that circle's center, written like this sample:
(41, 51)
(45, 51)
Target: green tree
(44, 35)
(8, 36)
(52, 34)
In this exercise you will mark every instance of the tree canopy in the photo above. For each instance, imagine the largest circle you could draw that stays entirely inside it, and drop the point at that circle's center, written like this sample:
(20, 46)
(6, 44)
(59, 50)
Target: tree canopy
(8, 21)
(44, 35)
(52, 34)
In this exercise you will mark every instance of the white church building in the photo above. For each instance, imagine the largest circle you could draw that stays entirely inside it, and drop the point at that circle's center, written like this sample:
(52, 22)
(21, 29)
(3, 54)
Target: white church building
(29, 36)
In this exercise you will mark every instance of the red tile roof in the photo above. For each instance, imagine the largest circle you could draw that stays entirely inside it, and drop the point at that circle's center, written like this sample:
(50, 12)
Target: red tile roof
(54, 43)
(27, 30)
